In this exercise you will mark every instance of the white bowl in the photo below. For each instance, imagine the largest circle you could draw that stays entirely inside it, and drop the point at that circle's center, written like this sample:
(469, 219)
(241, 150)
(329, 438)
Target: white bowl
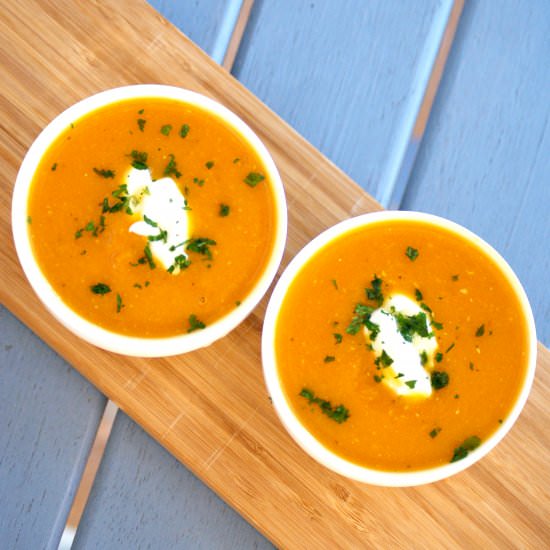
(128, 345)
(297, 430)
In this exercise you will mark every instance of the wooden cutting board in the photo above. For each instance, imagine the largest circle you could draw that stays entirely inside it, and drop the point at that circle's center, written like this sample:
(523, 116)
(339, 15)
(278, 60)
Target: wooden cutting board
(210, 408)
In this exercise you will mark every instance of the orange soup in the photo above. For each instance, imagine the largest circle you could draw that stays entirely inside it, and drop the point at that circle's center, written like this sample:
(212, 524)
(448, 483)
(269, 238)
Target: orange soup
(401, 346)
(151, 217)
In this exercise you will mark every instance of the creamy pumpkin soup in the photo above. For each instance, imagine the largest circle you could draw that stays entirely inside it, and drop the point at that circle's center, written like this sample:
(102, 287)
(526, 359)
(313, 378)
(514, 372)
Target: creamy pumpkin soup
(401, 346)
(152, 217)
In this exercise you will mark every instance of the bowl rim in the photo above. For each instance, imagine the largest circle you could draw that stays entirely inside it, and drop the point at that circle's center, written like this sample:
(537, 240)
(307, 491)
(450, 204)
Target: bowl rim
(88, 331)
(304, 438)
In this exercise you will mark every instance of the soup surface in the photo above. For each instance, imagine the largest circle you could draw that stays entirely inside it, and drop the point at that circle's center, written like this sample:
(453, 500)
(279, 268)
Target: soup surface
(100, 251)
(337, 365)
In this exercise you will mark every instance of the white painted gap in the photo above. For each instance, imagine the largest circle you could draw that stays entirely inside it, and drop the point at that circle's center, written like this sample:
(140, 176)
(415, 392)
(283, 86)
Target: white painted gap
(426, 84)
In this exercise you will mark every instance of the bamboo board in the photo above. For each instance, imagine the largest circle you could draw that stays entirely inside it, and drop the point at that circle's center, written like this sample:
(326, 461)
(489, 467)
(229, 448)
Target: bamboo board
(210, 408)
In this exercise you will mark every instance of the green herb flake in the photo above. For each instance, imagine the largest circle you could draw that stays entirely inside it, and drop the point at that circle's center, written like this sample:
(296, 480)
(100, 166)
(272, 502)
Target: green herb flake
(78, 233)
(450, 348)
(101, 172)
(224, 210)
(334, 283)
(166, 129)
(411, 253)
(338, 414)
(439, 379)
(149, 221)
(418, 295)
(254, 178)
(480, 331)
(119, 304)
(411, 384)
(438, 357)
(362, 318)
(184, 130)
(195, 323)
(100, 288)
(149, 256)
(236, 160)
(29, 220)
(471, 366)
(384, 359)
(434, 432)
(423, 357)
(469, 444)
(141, 124)
(200, 245)
(375, 291)
(408, 326)
(198, 181)
(337, 337)
(139, 160)
(172, 168)
(210, 164)
(378, 378)
(436, 325)
(425, 307)
(54, 166)
(329, 359)
(455, 277)
(141, 111)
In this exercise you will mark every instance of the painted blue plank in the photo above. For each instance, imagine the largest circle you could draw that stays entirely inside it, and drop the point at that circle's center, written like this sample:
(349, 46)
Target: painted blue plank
(348, 75)
(144, 498)
(209, 23)
(485, 158)
(48, 420)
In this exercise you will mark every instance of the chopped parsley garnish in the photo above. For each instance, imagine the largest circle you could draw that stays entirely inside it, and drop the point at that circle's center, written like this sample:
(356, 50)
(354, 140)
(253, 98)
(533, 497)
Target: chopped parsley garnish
(383, 359)
(200, 245)
(338, 414)
(425, 307)
(224, 210)
(119, 304)
(180, 261)
(195, 323)
(236, 159)
(54, 166)
(171, 167)
(418, 295)
(439, 379)
(149, 221)
(469, 444)
(162, 236)
(438, 326)
(480, 331)
(411, 384)
(184, 130)
(337, 337)
(438, 357)
(329, 359)
(378, 378)
(149, 256)
(411, 253)
(450, 348)
(254, 178)
(100, 288)
(209, 164)
(334, 283)
(454, 277)
(423, 357)
(29, 220)
(166, 129)
(434, 432)
(139, 160)
(198, 181)
(141, 123)
(409, 325)
(362, 318)
(375, 292)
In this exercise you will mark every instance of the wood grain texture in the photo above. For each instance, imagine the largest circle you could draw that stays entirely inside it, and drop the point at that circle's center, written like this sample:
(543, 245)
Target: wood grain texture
(485, 159)
(42, 449)
(210, 408)
(144, 498)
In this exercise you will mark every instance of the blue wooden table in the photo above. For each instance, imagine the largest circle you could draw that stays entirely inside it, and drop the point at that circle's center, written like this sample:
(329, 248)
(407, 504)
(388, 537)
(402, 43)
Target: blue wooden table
(354, 77)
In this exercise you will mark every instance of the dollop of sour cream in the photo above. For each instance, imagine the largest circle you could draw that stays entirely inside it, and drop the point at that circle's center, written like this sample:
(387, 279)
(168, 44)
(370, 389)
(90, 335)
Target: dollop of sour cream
(163, 212)
(402, 363)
